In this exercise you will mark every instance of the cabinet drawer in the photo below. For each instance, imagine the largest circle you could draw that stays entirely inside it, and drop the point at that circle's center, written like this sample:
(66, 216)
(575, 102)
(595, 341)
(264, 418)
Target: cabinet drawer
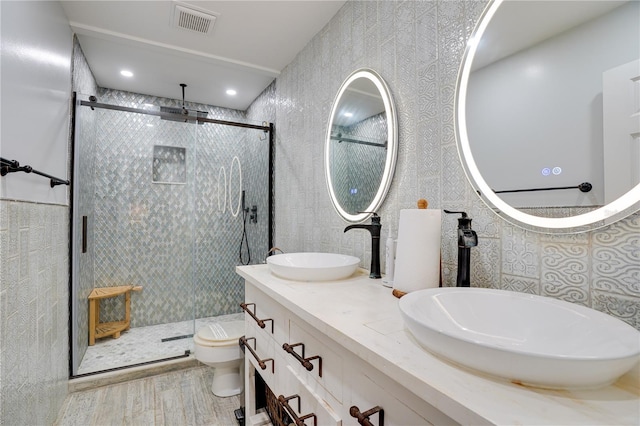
(327, 369)
(367, 394)
(368, 388)
(260, 348)
(271, 313)
(304, 401)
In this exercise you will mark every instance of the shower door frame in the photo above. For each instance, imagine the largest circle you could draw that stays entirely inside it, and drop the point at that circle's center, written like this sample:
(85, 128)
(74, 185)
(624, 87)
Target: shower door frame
(76, 243)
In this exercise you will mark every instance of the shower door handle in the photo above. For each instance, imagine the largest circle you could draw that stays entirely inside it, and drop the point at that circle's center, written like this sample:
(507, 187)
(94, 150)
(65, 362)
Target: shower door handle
(84, 234)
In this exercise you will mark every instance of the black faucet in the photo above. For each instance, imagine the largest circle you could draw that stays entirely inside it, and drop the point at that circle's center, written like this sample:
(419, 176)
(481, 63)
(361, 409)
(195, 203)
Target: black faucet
(467, 238)
(374, 227)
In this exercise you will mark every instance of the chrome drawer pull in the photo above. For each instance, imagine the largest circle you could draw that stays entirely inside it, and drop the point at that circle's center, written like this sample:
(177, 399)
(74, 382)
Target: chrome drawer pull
(299, 421)
(304, 361)
(261, 362)
(363, 418)
(259, 321)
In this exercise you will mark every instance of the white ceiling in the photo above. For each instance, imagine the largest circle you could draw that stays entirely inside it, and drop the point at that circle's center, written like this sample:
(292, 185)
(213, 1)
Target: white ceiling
(250, 45)
(528, 23)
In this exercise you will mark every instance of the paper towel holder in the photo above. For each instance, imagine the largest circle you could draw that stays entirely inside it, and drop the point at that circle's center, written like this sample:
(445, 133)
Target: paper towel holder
(422, 204)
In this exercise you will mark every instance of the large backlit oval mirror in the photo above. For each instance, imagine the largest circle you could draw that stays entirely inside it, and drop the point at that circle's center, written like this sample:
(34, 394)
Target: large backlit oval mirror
(361, 145)
(547, 112)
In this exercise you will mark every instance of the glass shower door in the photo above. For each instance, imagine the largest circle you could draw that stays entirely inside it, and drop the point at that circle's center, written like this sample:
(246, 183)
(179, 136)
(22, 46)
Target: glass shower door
(133, 226)
(232, 215)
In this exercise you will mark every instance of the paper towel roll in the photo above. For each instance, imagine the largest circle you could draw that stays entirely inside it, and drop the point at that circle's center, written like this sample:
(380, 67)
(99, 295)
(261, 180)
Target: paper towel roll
(418, 252)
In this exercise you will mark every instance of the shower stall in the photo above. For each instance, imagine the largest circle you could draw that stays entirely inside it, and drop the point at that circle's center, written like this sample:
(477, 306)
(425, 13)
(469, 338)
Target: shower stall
(167, 199)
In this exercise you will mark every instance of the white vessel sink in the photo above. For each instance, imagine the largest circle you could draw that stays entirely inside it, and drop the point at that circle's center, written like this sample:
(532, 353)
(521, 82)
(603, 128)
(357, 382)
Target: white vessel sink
(531, 340)
(313, 266)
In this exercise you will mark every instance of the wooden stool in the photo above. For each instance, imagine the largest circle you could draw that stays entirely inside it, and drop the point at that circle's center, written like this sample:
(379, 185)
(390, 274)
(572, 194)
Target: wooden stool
(98, 329)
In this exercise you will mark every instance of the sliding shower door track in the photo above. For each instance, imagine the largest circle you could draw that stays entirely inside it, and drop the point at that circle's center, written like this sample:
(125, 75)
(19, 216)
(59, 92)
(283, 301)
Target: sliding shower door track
(186, 354)
(172, 116)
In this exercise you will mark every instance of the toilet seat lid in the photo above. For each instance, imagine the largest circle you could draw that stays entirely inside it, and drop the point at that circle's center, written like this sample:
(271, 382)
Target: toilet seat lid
(221, 332)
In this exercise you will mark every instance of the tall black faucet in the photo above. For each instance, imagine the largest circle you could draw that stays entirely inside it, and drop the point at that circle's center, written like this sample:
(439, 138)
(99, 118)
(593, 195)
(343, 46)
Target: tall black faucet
(374, 227)
(467, 238)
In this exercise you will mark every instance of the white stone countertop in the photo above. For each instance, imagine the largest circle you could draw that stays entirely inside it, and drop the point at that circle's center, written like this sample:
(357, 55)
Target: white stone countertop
(363, 316)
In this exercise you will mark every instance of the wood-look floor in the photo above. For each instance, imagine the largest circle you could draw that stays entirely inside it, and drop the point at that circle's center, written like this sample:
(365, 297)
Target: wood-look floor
(177, 398)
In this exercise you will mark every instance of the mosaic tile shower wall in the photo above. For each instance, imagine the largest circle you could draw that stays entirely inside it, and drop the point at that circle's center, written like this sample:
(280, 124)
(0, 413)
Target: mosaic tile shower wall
(83, 83)
(173, 239)
(355, 187)
(417, 47)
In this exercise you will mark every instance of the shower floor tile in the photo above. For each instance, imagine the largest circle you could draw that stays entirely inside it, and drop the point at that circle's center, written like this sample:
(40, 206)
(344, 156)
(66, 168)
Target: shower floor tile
(144, 344)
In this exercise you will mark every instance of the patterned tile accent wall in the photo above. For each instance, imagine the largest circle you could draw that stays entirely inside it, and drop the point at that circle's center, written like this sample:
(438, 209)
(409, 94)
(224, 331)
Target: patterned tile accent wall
(174, 240)
(417, 47)
(34, 297)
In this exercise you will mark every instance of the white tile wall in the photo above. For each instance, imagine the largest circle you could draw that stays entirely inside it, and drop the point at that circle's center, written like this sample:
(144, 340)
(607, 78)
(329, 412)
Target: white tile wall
(34, 283)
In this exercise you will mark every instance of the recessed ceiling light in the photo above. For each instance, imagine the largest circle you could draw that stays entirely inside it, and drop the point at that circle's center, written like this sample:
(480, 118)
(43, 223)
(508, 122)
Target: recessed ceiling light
(348, 114)
(231, 92)
(126, 73)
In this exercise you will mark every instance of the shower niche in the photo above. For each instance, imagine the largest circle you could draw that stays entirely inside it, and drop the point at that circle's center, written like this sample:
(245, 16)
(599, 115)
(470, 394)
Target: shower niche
(169, 164)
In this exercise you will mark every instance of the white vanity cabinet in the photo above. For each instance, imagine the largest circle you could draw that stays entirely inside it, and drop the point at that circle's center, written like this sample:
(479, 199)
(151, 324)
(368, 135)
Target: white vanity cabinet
(369, 359)
(322, 380)
(304, 391)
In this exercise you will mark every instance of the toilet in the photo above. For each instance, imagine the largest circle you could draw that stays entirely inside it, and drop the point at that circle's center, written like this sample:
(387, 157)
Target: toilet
(216, 345)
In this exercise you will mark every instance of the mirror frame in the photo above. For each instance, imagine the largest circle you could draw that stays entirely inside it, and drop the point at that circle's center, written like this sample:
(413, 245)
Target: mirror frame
(616, 210)
(392, 145)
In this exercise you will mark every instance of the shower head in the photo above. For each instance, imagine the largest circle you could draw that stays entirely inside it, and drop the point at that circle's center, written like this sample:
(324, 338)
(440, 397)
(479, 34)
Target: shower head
(180, 113)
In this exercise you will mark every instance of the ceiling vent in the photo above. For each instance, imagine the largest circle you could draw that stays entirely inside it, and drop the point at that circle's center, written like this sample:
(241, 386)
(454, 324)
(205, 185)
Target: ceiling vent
(189, 18)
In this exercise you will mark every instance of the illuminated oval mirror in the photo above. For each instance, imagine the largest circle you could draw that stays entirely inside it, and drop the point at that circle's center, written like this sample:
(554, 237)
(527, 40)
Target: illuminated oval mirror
(547, 112)
(361, 145)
